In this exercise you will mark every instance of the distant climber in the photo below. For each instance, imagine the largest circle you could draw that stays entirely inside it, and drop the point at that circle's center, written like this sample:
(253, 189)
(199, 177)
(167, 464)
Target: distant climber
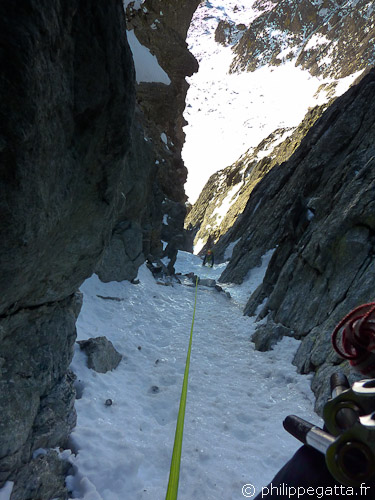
(209, 259)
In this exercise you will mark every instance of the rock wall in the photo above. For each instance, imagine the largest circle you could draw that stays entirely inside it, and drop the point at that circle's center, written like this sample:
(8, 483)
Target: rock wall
(159, 27)
(329, 38)
(67, 87)
(139, 213)
(316, 211)
(80, 191)
(225, 195)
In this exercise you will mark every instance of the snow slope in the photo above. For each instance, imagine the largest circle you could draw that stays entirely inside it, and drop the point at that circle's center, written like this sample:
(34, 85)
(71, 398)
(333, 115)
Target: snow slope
(237, 397)
(229, 113)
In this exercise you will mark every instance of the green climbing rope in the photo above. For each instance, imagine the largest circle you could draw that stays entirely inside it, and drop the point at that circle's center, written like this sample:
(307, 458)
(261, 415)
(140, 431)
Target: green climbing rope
(174, 473)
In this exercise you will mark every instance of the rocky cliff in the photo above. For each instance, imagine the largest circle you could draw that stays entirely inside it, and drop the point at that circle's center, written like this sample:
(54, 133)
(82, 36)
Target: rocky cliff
(156, 33)
(301, 194)
(329, 37)
(65, 134)
(80, 191)
(316, 213)
(227, 192)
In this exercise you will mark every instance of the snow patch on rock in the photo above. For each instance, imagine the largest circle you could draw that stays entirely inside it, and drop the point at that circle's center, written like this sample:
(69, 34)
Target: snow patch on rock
(147, 67)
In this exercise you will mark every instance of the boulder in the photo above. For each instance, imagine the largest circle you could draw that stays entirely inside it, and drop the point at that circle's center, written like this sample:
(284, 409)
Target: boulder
(43, 478)
(124, 254)
(207, 282)
(266, 336)
(101, 355)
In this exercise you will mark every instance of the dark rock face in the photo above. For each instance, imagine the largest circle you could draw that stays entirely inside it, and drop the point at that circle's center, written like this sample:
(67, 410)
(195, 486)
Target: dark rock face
(68, 97)
(123, 256)
(161, 26)
(44, 478)
(330, 38)
(101, 355)
(139, 208)
(64, 136)
(37, 395)
(157, 140)
(228, 33)
(317, 211)
(173, 220)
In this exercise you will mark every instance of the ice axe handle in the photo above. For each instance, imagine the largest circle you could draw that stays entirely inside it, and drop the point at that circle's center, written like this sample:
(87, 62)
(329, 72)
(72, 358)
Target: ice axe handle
(308, 433)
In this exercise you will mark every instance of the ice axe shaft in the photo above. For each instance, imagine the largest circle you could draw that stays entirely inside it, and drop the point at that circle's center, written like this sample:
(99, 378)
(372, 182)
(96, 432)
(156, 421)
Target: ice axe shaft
(348, 438)
(308, 433)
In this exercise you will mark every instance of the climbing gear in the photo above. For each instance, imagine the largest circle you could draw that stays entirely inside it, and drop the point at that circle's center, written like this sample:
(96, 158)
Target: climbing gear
(349, 416)
(357, 338)
(174, 473)
(349, 442)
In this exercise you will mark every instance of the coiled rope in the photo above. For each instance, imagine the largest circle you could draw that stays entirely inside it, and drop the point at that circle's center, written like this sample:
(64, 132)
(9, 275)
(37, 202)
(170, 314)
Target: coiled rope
(354, 338)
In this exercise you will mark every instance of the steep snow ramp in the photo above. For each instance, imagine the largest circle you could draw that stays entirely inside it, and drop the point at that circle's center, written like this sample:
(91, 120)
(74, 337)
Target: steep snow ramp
(237, 397)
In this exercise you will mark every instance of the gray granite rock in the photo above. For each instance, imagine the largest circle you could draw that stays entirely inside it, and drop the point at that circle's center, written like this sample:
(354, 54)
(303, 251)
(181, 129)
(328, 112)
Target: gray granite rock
(36, 389)
(67, 106)
(266, 336)
(66, 112)
(207, 282)
(316, 213)
(43, 478)
(101, 355)
(123, 256)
